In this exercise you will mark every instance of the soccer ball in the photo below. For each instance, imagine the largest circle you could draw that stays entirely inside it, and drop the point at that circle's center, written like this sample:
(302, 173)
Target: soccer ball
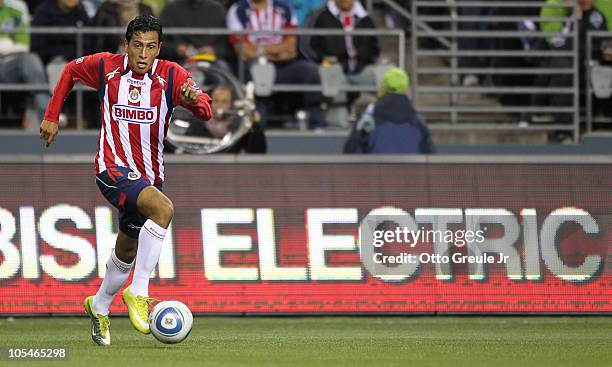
(170, 322)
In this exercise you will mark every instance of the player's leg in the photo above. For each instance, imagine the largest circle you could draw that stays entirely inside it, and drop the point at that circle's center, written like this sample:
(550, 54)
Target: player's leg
(155, 206)
(113, 185)
(118, 269)
(126, 247)
(159, 210)
(121, 187)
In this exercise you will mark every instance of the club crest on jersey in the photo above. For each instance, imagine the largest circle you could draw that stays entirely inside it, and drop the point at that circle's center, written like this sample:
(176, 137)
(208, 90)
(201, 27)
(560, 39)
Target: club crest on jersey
(134, 115)
(134, 96)
(133, 176)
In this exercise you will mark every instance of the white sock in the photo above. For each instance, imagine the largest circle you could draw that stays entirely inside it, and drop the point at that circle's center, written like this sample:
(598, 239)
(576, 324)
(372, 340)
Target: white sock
(149, 247)
(117, 273)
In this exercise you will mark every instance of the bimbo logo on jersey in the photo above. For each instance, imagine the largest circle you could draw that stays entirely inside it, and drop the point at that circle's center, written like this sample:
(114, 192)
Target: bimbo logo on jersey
(136, 115)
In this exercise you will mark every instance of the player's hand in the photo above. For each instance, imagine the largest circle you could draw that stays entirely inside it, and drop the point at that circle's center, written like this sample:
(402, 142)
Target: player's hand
(189, 94)
(48, 132)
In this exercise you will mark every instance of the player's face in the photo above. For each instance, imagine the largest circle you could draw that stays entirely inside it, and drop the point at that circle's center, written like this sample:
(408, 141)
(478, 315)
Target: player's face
(142, 50)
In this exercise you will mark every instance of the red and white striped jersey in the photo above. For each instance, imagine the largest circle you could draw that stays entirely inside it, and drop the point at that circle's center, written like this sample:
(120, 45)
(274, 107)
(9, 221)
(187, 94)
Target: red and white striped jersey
(135, 109)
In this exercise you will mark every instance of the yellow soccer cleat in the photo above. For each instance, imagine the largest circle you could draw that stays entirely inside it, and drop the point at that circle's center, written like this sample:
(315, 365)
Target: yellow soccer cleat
(138, 309)
(100, 324)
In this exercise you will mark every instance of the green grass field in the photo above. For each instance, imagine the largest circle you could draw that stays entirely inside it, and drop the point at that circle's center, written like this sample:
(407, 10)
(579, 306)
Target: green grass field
(331, 341)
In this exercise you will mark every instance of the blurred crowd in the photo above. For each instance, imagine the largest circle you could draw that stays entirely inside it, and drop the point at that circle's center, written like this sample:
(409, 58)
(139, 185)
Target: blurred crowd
(26, 58)
(552, 17)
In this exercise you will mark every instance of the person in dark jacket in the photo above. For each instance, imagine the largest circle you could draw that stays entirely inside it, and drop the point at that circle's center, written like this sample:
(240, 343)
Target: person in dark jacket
(116, 13)
(591, 15)
(352, 52)
(391, 125)
(189, 14)
(58, 13)
(356, 54)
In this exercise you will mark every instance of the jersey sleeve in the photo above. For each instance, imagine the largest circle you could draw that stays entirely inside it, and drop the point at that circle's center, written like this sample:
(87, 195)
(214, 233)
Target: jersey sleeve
(202, 108)
(86, 70)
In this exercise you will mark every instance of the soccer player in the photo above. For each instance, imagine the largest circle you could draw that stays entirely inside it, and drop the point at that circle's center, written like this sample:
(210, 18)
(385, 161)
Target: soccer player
(137, 95)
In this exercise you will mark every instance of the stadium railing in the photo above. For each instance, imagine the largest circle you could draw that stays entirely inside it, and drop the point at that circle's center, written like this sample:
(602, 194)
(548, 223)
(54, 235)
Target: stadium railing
(82, 31)
(406, 14)
(589, 93)
(423, 83)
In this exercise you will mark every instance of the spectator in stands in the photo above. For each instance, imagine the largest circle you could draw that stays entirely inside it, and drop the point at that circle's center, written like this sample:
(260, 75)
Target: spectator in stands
(91, 7)
(155, 5)
(391, 125)
(274, 15)
(32, 5)
(116, 13)
(17, 63)
(198, 14)
(355, 54)
(59, 13)
(223, 121)
(592, 16)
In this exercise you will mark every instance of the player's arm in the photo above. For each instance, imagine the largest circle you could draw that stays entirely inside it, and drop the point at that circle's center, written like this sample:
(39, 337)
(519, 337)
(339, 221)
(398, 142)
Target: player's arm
(189, 95)
(85, 69)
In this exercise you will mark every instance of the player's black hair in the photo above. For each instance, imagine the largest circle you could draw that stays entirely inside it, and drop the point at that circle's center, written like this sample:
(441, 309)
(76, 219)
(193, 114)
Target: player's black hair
(143, 23)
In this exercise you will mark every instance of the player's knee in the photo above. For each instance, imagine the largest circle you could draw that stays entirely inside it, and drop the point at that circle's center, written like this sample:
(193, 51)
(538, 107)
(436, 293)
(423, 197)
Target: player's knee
(156, 206)
(168, 211)
(164, 213)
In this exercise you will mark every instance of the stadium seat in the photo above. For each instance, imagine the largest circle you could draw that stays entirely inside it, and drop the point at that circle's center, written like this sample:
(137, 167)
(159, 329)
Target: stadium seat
(601, 80)
(332, 78)
(54, 71)
(263, 74)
